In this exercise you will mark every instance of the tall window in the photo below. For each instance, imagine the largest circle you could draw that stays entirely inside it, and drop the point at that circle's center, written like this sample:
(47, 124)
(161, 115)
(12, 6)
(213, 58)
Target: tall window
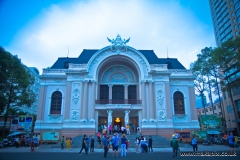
(104, 92)
(56, 103)
(132, 91)
(118, 92)
(178, 103)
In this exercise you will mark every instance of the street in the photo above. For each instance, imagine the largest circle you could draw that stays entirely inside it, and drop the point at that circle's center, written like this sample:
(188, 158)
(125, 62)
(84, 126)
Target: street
(97, 156)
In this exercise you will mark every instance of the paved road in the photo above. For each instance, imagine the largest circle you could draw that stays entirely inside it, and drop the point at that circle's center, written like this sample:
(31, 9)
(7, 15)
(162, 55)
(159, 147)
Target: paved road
(99, 156)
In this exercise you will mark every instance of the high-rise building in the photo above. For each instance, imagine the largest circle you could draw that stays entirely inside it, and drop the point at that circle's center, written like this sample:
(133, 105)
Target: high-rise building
(225, 18)
(226, 24)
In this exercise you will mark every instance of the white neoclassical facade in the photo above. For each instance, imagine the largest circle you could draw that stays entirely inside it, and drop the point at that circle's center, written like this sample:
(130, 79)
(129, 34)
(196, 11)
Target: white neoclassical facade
(116, 85)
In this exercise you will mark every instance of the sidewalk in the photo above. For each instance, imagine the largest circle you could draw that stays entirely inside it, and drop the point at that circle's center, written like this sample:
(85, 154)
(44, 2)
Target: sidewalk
(47, 148)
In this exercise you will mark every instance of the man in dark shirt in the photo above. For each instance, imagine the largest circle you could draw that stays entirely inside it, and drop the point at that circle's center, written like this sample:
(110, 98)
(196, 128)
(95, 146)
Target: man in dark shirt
(150, 144)
(92, 144)
(105, 145)
(84, 145)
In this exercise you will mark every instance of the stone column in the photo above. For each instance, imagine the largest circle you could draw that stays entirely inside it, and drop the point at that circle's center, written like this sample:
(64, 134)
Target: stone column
(96, 120)
(109, 117)
(126, 117)
(151, 107)
(41, 103)
(143, 101)
(68, 101)
(126, 93)
(85, 102)
(92, 110)
(193, 108)
(169, 110)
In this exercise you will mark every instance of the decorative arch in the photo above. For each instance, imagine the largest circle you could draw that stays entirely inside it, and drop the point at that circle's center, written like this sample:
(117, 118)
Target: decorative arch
(179, 106)
(136, 56)
(118, 74)
(56, 103)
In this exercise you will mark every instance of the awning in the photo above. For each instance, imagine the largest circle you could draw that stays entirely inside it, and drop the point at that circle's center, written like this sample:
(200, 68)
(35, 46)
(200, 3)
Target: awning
(213, 132)
(14, 134)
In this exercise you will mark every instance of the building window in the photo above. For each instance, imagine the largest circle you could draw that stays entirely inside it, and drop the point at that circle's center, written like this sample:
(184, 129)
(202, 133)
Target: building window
(118, 92)
(229, 109)
(104, 92)
(56, 103)
(178, 103)
(214, 108)
(132, 92)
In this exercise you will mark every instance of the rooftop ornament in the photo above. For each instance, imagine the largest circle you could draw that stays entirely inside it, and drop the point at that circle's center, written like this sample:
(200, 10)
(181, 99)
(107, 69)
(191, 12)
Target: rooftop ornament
(118, 45)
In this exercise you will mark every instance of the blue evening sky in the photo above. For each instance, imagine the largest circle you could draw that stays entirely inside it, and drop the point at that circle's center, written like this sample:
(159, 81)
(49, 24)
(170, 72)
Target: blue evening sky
(41, 30)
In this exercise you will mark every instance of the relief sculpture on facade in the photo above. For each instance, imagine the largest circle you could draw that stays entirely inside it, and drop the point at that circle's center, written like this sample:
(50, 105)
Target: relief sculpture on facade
(75, 96)
(74, 115)
(161, 115)
(160, 97)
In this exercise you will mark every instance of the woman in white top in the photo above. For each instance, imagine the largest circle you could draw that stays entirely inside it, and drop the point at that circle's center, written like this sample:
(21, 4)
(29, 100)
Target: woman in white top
(137, 145)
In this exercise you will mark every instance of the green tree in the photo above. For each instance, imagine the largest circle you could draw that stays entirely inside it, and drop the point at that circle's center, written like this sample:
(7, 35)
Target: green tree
(228, 58)
(15, 84)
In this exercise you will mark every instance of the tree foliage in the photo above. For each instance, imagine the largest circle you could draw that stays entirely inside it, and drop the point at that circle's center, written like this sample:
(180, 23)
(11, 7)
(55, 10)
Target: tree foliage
(15, 84)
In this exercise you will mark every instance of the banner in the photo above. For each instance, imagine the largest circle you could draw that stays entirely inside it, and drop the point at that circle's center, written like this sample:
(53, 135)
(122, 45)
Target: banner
(200, 135)
(50, 136)
(22, 123)
(210, 122)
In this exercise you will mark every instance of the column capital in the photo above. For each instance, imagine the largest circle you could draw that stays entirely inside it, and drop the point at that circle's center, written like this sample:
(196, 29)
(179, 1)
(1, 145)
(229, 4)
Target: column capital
(143, 81)
(126, 85)
(93, 81)
(85, 81)
(110, 85)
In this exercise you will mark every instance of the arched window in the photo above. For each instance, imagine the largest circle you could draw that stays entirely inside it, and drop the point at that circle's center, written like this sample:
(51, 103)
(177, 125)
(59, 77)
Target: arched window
(56, 103)
(178, 103)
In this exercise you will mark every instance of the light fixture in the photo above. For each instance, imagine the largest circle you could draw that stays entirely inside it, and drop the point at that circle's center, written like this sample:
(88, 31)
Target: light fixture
(117, 120)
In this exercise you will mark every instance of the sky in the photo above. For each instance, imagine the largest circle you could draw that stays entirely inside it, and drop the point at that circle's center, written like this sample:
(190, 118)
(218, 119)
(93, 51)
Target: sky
(40, 31)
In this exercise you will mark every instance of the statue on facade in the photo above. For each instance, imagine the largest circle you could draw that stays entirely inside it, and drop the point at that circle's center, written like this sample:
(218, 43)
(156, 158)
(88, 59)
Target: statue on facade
(118, 44)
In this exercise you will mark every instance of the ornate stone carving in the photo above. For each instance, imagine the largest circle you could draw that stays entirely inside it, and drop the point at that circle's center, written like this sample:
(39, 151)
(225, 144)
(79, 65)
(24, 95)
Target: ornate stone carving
(118, 106)
(126, 118)
(118, 44)
(57, 89)
(74, 115)
(109, 117)
(152, 120)
(160, 97)
(144, 120)
(161, 115)
(92, 120)
(83, 120)
(76, 95)
(118, 74)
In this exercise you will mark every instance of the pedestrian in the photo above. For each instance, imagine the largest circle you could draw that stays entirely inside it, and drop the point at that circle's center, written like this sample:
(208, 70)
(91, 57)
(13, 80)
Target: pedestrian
(150, 144)
(99, 139)
(137, 145)
(35, 141)
(88, 143)
(175, 146)
(62, 143)
(105, 146)
(110, 129)
(84, 144)
(68, 144)
(92, 144)
(128, 129)
(115, 144)
(138, 130)
(115, 128)
(231, 141)
(123, 145)
(122, 129)
(32, 144)
(194, 144)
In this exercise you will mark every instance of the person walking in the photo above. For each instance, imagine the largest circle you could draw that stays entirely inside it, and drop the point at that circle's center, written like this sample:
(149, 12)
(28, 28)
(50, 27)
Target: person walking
(175, 146)
(105, 146)
(137, 145)
(99, 140)
(92, 144)
(194, 144)
(128, 129)
(115, 144)
(68, 144)
(123, 145)
(110, 129)
(62, 142)
(231, 141)
(150, 144)
(84, 144)
(88, 143)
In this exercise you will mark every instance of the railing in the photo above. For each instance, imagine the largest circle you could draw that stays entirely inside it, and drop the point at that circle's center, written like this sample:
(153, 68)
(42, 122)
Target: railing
(118, 101)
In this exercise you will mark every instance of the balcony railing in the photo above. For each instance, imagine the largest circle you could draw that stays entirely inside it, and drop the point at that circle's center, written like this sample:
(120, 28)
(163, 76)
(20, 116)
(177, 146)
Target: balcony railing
(118, 101)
